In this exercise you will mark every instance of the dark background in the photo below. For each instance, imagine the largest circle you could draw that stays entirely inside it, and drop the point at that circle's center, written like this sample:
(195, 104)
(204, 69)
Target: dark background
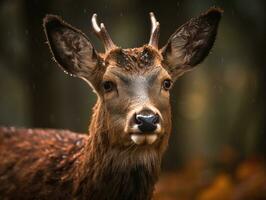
(218, 106)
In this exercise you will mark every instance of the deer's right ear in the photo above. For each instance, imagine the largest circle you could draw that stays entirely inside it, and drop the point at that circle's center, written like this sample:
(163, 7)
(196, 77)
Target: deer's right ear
(71, 48)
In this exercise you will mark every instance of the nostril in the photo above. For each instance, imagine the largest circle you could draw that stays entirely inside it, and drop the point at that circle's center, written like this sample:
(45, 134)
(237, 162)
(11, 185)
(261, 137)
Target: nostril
(156, 119)
(138, 119)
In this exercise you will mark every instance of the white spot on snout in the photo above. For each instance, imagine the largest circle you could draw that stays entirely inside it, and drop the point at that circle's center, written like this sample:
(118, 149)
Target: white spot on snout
(151, 138)
(141, 139)
(138, 139)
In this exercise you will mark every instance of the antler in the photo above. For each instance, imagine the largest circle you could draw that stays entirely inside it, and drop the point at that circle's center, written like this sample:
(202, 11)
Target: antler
(102, 34)
(154, 31)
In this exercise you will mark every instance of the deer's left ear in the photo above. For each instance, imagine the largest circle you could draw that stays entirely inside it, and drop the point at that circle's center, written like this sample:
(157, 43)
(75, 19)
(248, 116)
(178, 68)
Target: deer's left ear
(191, 43)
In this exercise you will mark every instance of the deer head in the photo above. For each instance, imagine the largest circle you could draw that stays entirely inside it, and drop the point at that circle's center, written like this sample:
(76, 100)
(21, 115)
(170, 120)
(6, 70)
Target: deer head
(133, 85)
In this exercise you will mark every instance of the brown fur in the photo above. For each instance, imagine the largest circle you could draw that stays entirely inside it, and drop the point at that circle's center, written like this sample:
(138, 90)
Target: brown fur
(105, 164)
(38, 163)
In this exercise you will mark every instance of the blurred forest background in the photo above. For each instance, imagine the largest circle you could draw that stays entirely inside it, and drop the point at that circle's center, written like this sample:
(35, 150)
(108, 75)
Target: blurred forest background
(219, 109)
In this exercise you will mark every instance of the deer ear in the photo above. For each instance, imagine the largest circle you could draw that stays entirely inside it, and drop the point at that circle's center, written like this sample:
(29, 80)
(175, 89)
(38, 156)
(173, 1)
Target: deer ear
(191, 43)
(70, 48)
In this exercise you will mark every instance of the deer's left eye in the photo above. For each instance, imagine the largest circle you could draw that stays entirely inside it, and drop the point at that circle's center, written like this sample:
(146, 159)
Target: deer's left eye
(167, 84)
(108, 86)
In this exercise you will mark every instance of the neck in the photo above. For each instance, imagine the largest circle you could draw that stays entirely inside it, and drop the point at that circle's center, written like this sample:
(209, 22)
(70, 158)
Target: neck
(115, 172)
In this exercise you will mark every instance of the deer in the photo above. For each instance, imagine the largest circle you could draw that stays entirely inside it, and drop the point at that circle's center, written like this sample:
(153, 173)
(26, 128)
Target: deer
(120, 156)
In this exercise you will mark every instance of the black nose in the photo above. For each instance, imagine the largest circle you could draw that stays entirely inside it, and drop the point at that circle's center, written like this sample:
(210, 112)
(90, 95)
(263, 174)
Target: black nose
(147, 123)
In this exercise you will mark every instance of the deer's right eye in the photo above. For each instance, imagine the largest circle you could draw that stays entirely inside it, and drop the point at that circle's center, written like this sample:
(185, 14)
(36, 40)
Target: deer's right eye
(108, 86)
(167, 84)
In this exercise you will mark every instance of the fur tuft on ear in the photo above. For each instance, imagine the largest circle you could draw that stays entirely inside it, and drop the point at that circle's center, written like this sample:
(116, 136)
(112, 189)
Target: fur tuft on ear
(191, 42)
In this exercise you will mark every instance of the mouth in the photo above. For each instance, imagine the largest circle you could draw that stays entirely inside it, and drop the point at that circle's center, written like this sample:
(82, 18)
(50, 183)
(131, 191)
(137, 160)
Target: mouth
(141, 139)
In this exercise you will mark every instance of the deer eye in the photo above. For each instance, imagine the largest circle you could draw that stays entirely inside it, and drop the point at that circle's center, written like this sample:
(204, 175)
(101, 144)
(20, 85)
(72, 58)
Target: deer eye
(167, 84)
(108, 86)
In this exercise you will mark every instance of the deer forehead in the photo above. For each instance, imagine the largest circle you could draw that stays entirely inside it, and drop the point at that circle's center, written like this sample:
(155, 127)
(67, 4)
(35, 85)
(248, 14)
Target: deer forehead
(141, 59)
